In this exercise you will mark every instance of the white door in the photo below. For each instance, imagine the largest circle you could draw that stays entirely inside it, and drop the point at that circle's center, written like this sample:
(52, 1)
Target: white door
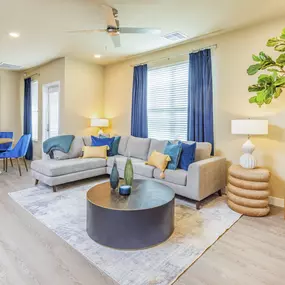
(51, 97)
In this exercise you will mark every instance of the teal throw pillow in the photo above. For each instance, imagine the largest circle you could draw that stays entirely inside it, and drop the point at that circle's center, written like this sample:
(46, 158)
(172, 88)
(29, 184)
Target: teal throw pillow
(174, 151)
(115, 146)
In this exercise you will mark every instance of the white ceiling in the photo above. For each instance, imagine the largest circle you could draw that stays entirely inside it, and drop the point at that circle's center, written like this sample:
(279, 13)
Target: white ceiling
(43, 25)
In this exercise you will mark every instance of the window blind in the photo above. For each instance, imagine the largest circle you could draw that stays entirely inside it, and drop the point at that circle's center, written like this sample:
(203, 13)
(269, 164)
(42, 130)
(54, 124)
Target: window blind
(167, 102)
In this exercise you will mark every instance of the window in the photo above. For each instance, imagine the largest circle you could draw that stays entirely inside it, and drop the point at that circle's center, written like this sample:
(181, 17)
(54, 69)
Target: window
(167, 102)
(35, 109)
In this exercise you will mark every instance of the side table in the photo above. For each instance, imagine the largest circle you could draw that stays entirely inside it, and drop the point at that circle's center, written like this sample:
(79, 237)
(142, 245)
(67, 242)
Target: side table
(248, 191)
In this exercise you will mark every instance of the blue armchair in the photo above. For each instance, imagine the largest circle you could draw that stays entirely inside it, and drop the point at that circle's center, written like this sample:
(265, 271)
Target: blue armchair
(19, 151)
(6, 146)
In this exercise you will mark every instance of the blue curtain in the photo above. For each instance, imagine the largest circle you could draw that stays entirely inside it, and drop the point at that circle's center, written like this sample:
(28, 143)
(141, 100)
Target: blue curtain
(200, 98)
(139, 102)
(28, 116)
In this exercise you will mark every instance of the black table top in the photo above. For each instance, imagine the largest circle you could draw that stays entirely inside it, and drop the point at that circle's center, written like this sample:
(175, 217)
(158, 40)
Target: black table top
(146, 194)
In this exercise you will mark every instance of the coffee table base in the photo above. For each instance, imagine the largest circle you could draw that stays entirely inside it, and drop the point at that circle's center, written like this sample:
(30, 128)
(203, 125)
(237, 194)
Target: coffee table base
(132, 229)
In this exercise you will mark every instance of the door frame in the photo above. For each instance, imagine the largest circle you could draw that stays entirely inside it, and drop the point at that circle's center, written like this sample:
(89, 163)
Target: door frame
(44, 102)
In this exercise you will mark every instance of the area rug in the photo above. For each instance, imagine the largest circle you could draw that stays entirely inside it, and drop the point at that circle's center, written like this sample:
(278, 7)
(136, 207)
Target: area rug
(64, 213)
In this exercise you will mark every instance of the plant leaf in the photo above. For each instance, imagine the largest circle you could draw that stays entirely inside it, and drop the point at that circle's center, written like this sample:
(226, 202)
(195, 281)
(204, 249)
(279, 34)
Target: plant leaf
(268, 100)
(264, 79)
(273, 70)
(280, 82)
(272, 42)
(255, 57)
(277, 93)
(252, 100)
(255, 88)
(253, 69)
(280, 47)
(260, 98)
(281, 59)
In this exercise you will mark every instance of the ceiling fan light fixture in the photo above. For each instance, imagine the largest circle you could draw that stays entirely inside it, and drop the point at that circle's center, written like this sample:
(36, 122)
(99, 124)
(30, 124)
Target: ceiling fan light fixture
(97, 55)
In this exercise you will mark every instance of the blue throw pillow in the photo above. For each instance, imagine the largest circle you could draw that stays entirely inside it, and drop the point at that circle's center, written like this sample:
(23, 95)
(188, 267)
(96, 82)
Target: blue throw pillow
(174, 151)
(115, 147)
(103, 141)
(187, 155)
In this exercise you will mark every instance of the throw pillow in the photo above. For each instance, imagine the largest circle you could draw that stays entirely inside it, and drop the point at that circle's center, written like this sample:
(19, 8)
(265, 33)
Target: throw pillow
(187, 155)
(115, 146)
(158, 160)
(95, 151)
(103, 141)
(174, 151)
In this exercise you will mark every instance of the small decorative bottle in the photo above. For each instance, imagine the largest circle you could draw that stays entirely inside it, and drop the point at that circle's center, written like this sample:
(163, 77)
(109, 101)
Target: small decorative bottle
(114, 177)
(129, 172)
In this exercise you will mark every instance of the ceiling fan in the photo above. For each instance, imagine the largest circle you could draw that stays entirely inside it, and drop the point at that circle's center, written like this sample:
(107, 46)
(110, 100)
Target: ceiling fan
(113, 27)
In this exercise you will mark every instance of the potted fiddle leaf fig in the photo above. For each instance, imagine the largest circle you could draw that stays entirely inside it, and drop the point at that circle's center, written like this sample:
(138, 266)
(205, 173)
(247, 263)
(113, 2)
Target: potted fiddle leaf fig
(268, 85)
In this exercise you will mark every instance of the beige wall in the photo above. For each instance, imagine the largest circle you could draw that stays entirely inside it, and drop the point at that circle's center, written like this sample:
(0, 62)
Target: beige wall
(48, 73)
(9, 102)
(83, 96)
(230, 61)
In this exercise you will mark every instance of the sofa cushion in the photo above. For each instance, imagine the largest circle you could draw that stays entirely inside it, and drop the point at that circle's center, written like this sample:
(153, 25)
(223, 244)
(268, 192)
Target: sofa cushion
(203, 150)
(178, 176)
(74, 152)
(138, 165)
(138, 147)
(87, 140)
(54, 167)
(123, 145)
(157, 145)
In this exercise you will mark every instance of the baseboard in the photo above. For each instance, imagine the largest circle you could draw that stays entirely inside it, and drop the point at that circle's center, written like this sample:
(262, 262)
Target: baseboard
(278, 202)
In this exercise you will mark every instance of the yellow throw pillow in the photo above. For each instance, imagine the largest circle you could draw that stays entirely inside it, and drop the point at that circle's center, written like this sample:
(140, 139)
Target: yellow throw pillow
(95, 151)
(159, 160)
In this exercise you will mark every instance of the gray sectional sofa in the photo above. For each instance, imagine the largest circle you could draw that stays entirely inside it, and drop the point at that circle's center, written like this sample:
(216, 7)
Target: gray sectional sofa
(204, 177)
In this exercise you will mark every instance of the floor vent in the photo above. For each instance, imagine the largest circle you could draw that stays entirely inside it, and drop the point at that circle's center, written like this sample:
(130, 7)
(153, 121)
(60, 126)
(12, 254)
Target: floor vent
(9, 66)
(175, 36)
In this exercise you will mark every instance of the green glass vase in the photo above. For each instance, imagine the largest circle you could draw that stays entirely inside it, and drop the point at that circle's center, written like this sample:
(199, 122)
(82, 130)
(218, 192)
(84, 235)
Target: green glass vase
(114, 177)
(129, 172)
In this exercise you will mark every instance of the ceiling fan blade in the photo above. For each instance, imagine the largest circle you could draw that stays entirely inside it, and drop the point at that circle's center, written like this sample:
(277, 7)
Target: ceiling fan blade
(127, 30)
(116, 40)
(109, 14)
(87, 31)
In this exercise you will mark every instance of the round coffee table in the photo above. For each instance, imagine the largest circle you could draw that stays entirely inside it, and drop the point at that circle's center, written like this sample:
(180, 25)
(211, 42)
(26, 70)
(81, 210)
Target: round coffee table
(143, 219)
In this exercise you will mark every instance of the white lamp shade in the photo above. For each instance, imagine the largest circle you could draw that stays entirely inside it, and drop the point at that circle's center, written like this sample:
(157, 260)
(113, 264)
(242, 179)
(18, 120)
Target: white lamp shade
(101, 123)
(250, 127)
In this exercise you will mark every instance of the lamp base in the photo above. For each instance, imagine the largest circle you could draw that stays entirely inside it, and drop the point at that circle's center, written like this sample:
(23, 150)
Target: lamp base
(100, 132)
(247, 160)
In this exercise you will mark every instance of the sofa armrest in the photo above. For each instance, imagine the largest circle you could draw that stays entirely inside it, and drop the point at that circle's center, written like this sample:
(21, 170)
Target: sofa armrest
(206, 177)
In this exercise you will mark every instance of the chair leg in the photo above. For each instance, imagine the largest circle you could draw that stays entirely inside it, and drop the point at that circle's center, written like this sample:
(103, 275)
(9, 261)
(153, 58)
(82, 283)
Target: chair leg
(6, 164)
(54, 188)
(220, 192)
(19, 166)
(36, 182)
(25, 163)
(11, 162)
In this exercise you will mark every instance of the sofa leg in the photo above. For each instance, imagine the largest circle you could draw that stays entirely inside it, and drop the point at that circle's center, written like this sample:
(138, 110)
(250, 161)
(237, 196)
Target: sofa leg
(220, 192)
(198, 205)
(36, 182)
(54, 188)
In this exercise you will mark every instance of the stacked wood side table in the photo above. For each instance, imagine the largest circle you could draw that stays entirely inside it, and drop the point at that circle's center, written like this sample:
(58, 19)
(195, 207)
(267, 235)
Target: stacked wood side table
(248, 191)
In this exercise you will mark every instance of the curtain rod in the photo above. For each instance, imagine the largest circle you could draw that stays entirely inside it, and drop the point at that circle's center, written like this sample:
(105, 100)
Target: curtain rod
(177, 55)
(26, 75)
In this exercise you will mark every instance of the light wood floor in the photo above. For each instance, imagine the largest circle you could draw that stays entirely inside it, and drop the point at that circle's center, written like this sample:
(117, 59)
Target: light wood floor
(251, 252)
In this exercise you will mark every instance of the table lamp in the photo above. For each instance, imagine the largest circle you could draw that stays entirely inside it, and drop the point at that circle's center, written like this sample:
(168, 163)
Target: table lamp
(249, 127)
(100, 123)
